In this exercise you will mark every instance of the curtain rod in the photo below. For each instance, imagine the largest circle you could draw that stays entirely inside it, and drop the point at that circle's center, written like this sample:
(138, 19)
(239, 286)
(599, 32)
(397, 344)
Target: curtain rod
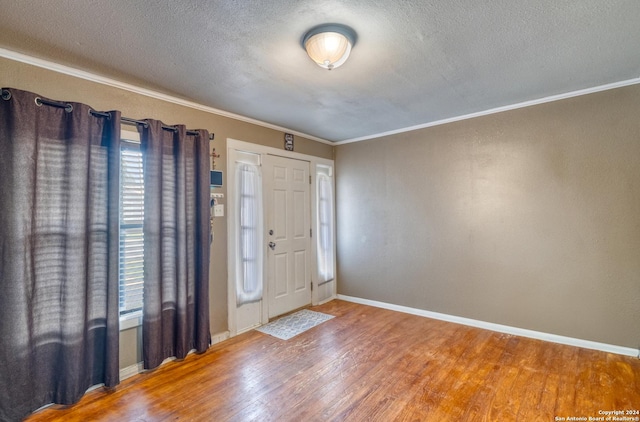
(6, 95)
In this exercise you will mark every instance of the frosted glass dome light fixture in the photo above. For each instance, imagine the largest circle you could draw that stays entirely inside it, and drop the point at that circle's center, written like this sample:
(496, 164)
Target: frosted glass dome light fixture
(329, 45)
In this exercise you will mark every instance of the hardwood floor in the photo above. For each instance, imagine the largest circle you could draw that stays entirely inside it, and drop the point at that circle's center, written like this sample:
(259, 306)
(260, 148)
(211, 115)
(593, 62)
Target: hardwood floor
(370, 364)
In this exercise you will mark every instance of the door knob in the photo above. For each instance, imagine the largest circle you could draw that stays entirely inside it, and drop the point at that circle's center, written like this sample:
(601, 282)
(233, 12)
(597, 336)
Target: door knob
(272, 245)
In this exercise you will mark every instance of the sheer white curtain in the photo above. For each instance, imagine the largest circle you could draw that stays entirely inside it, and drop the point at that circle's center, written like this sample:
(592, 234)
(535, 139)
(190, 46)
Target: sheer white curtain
(325, 240)
(249, 230)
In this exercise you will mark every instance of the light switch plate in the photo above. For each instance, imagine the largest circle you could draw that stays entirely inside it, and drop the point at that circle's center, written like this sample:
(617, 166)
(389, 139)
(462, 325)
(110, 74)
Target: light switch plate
(218, 210)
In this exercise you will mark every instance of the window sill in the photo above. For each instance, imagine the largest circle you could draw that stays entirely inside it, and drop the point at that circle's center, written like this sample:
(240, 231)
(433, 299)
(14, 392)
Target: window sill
(130, 321)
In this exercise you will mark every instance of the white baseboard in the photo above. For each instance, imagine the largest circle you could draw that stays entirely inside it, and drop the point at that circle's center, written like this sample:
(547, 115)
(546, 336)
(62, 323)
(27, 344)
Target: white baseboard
(249, 328)
(131, 370)
(570, 341)
(137, 368)
(217, 338)
(327, 300)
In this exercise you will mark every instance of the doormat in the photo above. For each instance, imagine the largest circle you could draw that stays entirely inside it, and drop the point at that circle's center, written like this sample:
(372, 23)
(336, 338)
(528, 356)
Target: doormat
(294, 324)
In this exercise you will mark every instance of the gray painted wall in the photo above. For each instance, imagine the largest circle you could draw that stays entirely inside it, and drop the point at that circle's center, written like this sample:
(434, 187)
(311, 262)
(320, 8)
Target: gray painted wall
(528, 218)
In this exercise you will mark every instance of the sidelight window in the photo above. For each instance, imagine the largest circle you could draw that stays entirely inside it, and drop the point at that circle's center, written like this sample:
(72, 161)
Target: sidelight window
(325, 222)
(249, 229)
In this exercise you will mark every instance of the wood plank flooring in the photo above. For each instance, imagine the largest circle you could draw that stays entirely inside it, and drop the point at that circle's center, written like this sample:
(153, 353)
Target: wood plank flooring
(370, 364)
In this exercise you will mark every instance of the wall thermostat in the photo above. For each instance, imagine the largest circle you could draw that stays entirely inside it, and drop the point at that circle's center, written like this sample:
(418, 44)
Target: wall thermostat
(216, 178)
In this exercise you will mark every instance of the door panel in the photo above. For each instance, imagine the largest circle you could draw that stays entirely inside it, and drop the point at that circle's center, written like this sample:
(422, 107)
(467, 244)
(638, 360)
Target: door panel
(280, 262)
(300, 217)
(300, 269)
(289, 217)
(280, 217)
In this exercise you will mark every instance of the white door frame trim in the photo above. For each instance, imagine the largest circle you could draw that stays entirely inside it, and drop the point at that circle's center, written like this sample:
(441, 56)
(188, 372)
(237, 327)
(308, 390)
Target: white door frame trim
(234, 144)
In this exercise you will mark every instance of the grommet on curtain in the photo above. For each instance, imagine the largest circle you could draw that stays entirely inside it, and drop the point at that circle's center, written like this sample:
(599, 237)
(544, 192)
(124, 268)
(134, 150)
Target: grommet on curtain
(173, 129)
(135, 122)
(67, 106)
(104, 114)
(6, 94)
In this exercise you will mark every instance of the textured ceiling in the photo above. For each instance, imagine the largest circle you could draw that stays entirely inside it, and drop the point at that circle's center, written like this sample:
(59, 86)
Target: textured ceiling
(415, 61)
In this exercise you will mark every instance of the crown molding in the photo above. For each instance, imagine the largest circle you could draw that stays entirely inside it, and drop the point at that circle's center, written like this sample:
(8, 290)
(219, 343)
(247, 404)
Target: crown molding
(67, 70)
(516, 106)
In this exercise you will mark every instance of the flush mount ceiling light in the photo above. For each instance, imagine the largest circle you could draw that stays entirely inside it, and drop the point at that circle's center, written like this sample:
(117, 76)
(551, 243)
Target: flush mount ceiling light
(329, 45)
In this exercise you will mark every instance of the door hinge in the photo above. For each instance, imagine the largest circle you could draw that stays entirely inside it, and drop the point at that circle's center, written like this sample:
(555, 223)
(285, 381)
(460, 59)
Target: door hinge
(311, 285)
(310, 232)
(309, 179)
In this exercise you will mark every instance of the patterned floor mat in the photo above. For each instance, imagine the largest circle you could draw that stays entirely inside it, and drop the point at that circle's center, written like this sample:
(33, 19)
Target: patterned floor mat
(294, 324)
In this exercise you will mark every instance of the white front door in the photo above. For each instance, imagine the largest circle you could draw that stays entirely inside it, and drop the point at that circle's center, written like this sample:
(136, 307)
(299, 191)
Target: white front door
(288, 232)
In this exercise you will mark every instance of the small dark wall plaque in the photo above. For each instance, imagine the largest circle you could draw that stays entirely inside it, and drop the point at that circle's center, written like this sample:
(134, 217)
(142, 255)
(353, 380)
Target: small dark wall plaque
(216, 178)
(288, 141)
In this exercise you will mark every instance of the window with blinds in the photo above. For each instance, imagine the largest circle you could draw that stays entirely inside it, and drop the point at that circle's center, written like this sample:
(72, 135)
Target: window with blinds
(131, 235)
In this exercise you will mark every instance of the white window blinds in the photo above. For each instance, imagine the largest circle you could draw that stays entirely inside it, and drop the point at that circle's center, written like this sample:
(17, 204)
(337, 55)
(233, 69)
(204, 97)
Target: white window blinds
(249, 230)
(325, 221)
(131, 236)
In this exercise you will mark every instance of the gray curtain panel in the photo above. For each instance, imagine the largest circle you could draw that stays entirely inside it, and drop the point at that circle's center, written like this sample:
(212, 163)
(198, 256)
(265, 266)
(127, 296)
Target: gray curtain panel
(176, 242)
(59, 176)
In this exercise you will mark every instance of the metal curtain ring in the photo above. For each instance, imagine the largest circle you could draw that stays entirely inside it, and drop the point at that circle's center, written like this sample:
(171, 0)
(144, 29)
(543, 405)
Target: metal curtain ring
(103, 114)
(68, 107)
(6, 94)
